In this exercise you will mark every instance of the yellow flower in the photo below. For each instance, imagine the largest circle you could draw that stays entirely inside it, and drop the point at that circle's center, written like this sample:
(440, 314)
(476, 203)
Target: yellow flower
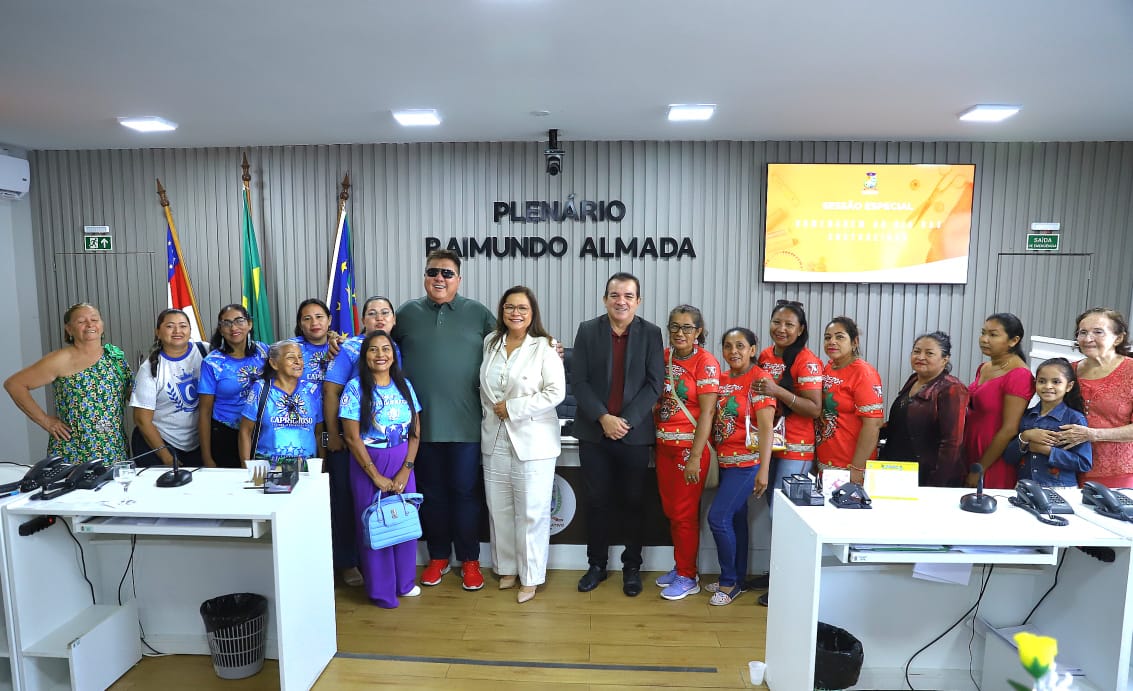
(1036, 652)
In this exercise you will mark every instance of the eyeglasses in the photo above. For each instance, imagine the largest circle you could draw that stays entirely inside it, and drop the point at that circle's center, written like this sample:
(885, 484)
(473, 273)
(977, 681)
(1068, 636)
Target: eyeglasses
(433, 272)
(384, 313)
(518, 309)
(686, 329)
(1096, 333)
(229, 323)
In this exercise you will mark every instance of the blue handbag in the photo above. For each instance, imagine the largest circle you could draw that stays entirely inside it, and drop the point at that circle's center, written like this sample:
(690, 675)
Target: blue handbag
(392, 519)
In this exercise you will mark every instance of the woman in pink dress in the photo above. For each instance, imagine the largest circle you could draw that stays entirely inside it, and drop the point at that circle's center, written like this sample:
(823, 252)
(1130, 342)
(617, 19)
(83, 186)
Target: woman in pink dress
(998, 398)
(1106, 379)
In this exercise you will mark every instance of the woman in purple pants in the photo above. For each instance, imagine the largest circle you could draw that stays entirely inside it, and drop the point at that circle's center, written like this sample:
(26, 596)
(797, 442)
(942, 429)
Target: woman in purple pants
(378, 411)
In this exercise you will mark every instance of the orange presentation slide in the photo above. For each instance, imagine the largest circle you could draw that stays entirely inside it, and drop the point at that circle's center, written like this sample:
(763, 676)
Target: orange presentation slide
(868, 223)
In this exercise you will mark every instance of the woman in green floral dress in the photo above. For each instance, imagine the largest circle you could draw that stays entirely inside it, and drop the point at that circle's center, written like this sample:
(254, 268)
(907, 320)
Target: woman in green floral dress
(91, 383)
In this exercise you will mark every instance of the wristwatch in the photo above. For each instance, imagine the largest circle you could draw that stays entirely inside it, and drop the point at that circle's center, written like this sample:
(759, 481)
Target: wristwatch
(409, 465)
(326, 440)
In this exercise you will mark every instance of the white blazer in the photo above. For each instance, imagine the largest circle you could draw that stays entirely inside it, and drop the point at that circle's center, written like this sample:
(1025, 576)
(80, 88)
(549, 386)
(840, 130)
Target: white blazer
(536, 384)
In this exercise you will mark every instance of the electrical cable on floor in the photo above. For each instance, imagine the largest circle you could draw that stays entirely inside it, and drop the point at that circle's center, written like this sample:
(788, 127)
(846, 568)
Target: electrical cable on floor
(975, 615)
(134, 590)
(129, 563)
(82, 559)
(1050, 589)
(959, 621)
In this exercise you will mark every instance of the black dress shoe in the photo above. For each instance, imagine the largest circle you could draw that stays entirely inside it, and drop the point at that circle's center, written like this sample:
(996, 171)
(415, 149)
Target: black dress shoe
(763, 599)
(631, 581)
(590, 580)
(759, 582)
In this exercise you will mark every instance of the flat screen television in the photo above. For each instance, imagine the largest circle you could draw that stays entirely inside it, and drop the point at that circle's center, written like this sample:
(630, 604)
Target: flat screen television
(866, 223)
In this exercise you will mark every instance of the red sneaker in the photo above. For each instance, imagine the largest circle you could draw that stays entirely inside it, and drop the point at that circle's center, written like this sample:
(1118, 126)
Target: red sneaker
(470, 572)
(433, 572)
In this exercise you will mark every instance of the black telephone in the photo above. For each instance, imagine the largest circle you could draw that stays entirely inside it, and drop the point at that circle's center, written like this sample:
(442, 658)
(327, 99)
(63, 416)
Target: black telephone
(43, 473)
(851, 496)
(1107, 502)
(1039, 500)
(89, 475)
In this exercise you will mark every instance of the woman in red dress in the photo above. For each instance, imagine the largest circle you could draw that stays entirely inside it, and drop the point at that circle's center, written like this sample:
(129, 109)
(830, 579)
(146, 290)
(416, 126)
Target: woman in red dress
(1106, 379)
(998, 398)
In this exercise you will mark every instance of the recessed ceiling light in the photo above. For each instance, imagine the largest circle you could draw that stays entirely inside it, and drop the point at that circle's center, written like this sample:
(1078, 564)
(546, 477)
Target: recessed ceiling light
(422, 117)
(683, 112)
(988, 113)
(148, 123)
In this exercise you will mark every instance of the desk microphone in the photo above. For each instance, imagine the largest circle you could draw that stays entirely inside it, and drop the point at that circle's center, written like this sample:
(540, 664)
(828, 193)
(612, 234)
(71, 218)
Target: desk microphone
(978, 502)
(176, 477)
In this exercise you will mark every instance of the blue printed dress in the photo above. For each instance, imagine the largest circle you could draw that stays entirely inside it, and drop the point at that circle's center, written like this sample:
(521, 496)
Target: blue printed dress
(287, 428)
(389, 423)
(388, 572)
(229, 380)
(92, 404)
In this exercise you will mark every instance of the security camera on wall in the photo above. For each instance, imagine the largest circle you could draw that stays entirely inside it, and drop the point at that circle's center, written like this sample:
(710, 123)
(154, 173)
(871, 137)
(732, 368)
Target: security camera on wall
(553, 153)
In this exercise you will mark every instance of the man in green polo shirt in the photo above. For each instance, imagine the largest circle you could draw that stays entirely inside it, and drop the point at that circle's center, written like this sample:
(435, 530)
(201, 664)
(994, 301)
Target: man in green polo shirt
(441, 336)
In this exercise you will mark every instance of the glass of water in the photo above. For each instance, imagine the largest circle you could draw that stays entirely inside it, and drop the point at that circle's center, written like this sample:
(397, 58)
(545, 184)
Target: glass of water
(124, 474)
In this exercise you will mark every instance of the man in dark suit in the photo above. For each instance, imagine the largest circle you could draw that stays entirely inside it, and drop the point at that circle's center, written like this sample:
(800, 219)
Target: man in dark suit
(617, 372)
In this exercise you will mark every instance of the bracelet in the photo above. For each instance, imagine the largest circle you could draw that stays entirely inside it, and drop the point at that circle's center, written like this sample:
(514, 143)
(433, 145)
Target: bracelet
(855, 467)
(794, 400)
(1023, 442)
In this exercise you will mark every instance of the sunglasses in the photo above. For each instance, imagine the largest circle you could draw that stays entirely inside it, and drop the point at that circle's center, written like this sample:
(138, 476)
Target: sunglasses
(788, 303)
(434, 272)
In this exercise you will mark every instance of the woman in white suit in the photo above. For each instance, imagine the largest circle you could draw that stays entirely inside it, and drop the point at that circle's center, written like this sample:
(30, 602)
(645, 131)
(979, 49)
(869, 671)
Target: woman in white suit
(521, 382)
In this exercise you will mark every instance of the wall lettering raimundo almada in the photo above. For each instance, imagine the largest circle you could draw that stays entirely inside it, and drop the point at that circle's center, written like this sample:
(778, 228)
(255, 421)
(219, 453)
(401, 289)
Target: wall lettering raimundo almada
(519, 238)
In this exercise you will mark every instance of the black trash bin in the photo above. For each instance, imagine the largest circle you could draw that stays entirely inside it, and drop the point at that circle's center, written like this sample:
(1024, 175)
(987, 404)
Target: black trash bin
(235, 626)
(837, 659)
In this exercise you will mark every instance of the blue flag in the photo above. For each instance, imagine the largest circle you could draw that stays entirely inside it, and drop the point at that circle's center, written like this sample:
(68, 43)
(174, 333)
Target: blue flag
(341, 298)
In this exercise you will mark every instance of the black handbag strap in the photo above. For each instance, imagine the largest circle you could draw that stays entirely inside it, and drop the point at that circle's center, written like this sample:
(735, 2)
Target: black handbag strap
(260, 417)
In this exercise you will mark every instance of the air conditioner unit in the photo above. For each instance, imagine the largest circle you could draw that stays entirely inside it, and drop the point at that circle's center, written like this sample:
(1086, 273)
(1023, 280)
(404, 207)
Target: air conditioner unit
(15, 177)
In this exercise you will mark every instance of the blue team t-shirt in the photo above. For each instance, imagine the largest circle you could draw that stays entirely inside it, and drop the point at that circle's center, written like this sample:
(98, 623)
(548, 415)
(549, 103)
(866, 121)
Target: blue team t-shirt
(345, 365)
(287, 429)
(391, 416)
(230, 380)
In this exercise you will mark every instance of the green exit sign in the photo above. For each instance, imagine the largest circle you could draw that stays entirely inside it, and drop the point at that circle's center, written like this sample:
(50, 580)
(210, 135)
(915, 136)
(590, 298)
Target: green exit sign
(98, 243)
(1042, 242)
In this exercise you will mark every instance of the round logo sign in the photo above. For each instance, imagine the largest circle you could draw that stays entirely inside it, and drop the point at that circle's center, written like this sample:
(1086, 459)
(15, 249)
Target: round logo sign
(563, 505)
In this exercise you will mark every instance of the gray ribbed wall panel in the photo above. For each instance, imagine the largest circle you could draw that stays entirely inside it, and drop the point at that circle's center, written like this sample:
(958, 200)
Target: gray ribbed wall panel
(711, 192)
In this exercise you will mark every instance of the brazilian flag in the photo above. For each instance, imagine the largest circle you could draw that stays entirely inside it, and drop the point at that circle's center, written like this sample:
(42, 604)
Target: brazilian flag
(255, 296)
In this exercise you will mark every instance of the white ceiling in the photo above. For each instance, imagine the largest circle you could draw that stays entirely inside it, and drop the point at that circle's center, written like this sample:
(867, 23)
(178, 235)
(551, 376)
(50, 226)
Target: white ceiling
(269, 72)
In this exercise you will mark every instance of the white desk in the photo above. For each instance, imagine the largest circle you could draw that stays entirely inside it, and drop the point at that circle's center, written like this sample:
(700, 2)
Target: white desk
(894, 615)
(8, 473)
(208, 538)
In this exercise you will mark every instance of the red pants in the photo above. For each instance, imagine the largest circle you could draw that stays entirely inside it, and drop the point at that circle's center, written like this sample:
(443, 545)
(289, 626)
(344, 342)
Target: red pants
(681, 503)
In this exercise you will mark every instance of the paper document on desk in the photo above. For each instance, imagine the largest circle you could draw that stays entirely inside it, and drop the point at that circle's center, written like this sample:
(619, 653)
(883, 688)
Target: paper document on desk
(995, 549)
(899, 548)
(956, 574)
(190, 522)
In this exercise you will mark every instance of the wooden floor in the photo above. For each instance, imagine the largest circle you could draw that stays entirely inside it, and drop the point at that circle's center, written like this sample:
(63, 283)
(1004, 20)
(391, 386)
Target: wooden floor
(452, 639)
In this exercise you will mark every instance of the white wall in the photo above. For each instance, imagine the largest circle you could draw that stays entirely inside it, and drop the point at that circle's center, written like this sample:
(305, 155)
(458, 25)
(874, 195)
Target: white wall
(19, 312)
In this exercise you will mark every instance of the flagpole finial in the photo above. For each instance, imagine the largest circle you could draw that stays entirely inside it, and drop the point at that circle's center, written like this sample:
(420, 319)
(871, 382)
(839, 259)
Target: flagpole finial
(247, 176)
(161, 193)
(345, 194)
